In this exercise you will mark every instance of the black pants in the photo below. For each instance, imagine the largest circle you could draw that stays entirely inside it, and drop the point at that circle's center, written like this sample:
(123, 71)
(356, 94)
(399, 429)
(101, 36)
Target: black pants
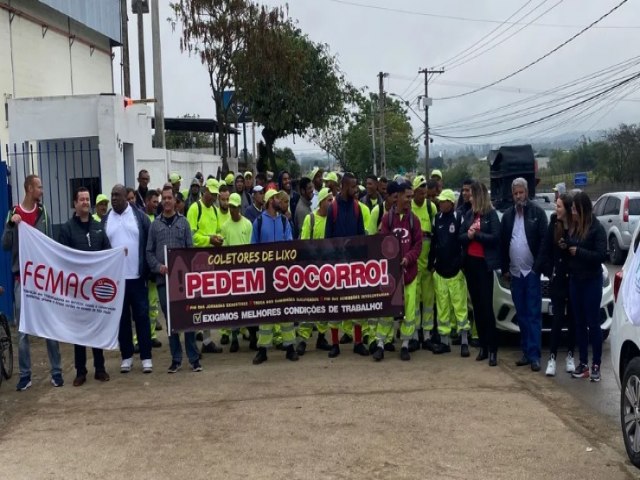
(136, 302)
(80, 359)
(480, 285)
(562, 314)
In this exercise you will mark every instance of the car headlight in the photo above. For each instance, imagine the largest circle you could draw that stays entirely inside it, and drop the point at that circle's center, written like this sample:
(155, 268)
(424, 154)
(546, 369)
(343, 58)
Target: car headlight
(605, 277)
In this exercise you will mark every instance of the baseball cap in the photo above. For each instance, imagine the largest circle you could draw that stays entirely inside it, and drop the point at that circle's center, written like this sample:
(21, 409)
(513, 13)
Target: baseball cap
(419, 182)
(175, 177)
(331, 177)
(447, 196)
(323, 194)
(212, 186)
(436, 173)
(257, 189)
(270, 194)
(195, 181)
(314, 172)
(102, 198)
(248, 174)
(235, 200)
(560, 188)
(229, 179)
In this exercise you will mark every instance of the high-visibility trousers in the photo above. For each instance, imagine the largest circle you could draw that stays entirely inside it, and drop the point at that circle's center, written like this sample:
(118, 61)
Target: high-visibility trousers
(305, 330)
(154, 310)
(425, 295)
(266, 333)
(451, 301)
(384, 330)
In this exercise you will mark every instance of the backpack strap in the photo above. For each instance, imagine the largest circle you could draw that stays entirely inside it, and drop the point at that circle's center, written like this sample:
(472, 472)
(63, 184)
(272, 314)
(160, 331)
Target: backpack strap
(259, 228)
(284, 225)
(312, 222)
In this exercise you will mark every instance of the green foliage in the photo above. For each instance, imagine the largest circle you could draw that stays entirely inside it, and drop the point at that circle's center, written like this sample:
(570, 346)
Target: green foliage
(286, 160)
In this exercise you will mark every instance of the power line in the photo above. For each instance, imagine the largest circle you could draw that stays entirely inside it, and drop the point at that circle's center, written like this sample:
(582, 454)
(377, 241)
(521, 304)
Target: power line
(539, 59)
(467, 19)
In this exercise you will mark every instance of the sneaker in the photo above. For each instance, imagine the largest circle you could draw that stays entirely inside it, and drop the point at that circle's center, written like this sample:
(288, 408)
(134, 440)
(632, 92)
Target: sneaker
(551, 367)
(581, 371)
(595, 373)
(56, 380)
(23, 384)
(174, 367)
(147, 366)
(211, 348)
(378, 354)
(125, 366)
(261, 356)
(404, 354)
(196, 367)
(570, 363)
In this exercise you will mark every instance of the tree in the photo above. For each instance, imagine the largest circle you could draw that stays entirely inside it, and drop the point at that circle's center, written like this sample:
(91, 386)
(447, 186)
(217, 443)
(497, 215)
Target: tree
(183, 140)
(286, 160)
(621, 165)
(290, 83)
(215, 30)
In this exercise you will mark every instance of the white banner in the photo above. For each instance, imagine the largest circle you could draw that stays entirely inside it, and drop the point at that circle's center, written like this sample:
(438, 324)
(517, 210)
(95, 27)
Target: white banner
(630, 289)
(70, 295)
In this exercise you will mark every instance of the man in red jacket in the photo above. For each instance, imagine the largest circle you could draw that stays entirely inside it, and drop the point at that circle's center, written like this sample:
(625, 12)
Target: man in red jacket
(403, 223)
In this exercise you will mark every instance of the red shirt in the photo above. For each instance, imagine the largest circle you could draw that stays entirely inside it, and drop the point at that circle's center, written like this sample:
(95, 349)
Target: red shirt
(27, 216)
(475, 248)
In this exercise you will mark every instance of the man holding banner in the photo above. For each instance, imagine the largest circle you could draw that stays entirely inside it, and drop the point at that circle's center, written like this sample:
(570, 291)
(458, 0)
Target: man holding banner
(34, 214)
(171, 230)
(272, 226)
(82, 232)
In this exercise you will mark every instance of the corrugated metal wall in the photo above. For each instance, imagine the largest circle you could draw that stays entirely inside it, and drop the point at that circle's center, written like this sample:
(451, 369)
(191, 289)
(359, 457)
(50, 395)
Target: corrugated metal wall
(101, 15)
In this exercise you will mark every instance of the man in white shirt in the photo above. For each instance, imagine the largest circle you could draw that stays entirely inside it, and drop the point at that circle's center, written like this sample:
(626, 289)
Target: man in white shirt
(128, 227)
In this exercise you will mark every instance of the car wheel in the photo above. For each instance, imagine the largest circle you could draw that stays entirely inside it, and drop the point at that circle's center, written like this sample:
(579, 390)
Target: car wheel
(630, 410)
(616, 255)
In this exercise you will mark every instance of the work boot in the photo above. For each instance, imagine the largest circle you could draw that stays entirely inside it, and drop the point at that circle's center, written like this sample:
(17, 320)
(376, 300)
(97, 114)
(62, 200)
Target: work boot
(373, 346)
(413, 345)
(335, 351)
(378, 354)
(440, 348)
(389, 347)
(301, 348)
(292, 354)
(261, 356)
(224, 339)
(464, 350)
(482, 355)
(404, 354)
(493, 359)
(345, 339)
(321, 343)
(235, 346)
(428, 344)
(361, 350)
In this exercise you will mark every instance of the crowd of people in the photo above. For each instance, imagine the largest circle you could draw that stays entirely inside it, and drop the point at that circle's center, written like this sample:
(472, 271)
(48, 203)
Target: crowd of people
(451, 248)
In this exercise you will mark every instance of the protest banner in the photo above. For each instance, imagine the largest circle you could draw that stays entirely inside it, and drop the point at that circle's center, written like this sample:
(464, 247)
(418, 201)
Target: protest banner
(70, 295)
(317, 280)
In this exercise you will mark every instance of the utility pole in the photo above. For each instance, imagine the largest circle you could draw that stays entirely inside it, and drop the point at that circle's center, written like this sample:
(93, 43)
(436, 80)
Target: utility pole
(381, 101)
(157, 74)
(427, 104)
(124, 19)
(140, 7)
(373, 140)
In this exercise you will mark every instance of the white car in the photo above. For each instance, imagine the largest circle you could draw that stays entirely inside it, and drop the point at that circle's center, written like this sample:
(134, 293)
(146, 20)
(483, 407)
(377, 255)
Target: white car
(619, 213)
(625, 348)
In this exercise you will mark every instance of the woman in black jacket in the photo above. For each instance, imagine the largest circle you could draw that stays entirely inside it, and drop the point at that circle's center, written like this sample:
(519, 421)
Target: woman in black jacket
(587, 250)
(557, 269)
(480, 237)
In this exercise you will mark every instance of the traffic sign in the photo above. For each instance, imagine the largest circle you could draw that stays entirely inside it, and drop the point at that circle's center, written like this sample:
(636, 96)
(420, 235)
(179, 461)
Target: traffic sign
(580, 179)
(238, 112)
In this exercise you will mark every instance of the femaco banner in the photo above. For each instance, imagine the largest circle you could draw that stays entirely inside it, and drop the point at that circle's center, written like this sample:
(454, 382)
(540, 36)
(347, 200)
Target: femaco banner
(310, 280)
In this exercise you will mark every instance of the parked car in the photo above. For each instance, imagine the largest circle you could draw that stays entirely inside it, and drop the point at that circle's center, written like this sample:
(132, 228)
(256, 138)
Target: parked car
(625, 349)
(618, 213)
(505, 310)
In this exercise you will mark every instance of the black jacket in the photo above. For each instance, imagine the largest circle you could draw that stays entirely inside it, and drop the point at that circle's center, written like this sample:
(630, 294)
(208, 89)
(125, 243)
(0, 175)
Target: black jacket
(86, 236)
(488, 236)
(535, 228)
(557, 261)
(592, 251)
(446, 250)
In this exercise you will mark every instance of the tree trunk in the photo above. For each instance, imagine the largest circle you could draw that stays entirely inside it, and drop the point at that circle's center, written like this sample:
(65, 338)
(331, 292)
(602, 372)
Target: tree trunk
(222, 130)
(270, 137)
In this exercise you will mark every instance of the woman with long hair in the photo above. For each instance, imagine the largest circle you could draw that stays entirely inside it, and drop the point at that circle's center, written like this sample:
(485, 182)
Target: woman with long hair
(480, 237)
(587, 247)
(557, 269)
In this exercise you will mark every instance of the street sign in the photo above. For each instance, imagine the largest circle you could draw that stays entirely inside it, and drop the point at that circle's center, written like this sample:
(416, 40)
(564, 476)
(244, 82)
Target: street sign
(580, 179)
(238, 112)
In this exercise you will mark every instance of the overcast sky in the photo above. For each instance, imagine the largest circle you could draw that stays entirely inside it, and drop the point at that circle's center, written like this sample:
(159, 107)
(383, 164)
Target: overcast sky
(369, 40)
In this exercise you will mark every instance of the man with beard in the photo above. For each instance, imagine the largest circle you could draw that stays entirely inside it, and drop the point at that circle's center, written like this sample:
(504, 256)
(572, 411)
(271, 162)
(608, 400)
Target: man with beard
(304, 205)
(284, 185)
(523, 230)
(255, 209)
(271, 226)
(345, 219)
(194, 194)
(143, 187)
(382, 187)
(102, 207)
(241, 189)
(316, 179)
(331, 182)
(372, 197)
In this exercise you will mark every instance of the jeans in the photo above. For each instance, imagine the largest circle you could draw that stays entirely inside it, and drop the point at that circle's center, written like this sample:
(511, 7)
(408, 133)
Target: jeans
(80, 359)
(24, 352)
(480, 285)
(585, 296)
(136, 301)
(526, 293)
(562, 314)
(174, 338)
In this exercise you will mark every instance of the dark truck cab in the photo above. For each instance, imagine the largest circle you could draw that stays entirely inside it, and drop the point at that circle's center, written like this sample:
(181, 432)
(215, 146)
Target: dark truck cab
(507, 164)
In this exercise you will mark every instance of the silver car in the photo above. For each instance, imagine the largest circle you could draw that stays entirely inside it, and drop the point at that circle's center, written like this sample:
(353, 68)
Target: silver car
(618, 213)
